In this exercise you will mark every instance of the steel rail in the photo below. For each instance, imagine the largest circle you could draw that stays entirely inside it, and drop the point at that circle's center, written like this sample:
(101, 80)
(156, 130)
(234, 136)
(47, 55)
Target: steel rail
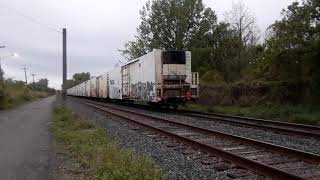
(274, 126)
(244, 162)
(271, 125)
(310, 157)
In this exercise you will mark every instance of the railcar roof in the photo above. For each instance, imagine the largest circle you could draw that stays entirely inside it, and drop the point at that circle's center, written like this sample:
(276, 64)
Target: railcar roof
(137, 59)
(132, 61)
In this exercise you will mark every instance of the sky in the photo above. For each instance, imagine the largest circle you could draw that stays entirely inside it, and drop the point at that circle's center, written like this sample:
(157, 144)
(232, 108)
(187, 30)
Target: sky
(96, 30)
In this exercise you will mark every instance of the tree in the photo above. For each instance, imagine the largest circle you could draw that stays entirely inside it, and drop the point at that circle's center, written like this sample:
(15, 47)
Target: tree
(70, 83)
(170, 25)
(244, 40)
(77, 78)
(292, 51)
(243, 22)
(220, 53)
(42, 84)
(81, 77)
(293, 48)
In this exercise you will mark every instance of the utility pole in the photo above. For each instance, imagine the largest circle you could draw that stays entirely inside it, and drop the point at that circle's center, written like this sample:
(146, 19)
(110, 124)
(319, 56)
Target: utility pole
(64, 63)
(1, 75)
(34, 85)
(25, 74)
(1, 72)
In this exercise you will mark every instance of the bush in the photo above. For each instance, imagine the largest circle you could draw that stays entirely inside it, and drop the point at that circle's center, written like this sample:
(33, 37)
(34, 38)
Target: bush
(4, 101)
(212, 77)
(15, 94)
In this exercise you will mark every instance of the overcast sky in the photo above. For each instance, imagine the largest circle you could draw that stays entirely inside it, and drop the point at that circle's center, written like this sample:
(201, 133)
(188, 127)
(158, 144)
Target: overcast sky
(96, 30)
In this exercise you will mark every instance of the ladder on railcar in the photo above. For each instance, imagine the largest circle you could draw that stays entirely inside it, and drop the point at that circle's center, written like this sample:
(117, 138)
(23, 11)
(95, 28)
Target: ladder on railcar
(195, 84)
(108, 87)
(125, 79)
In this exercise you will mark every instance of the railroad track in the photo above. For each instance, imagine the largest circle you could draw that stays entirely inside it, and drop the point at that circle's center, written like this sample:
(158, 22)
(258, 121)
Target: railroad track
(270, 125)
(266, 159)
(281, 127)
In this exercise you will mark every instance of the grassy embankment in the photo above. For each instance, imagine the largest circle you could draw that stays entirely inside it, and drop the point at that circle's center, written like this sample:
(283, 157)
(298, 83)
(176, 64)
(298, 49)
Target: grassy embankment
(93, 155)
(279, 100)
(296, 114)
(14, 95)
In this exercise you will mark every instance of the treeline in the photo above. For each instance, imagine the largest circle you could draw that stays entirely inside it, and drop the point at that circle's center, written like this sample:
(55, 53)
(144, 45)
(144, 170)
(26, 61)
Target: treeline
(77, 78)
(40, 85)
(231, 50)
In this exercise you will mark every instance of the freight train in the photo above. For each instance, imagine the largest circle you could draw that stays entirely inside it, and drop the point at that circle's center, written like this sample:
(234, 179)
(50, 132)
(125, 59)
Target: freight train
(157, 78)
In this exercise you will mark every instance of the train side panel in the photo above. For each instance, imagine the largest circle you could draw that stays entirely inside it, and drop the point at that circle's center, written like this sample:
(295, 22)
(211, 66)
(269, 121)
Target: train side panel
(75, 90)
(81, 89)
(87, 89)
(93, 88)
(69, 91)
(114, 83)
(139, 78)
(102, 86)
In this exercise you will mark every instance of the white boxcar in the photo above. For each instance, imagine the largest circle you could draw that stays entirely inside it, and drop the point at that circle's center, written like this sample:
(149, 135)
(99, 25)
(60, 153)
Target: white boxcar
(102, 89)
(87, 88)
(72, 91)
(141, 76)
(77, 89)
(159, 77)
(81, 89)
(114, 83)
(93, 87)
(69, 91)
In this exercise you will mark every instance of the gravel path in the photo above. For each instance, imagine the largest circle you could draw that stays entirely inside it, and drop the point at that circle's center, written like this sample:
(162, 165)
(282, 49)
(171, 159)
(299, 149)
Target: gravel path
(173, 163)
(305, 144)
(25, 141)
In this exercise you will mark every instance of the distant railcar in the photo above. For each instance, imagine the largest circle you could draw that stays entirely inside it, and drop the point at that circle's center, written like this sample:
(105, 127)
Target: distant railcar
(93, 87)
(102, 86)
(115, 84)
(81, 89)
(87, 88)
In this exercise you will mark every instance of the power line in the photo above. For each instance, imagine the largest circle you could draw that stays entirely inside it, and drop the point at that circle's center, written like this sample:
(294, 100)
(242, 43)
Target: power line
(31, 19)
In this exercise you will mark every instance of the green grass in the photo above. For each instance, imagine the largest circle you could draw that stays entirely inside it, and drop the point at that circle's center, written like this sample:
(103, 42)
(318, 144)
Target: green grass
(304, 114)
(96, 153)
(14, 95)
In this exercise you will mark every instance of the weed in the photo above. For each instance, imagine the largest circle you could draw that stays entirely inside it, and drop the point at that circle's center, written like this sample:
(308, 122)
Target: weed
(96, 152)
(13, 95)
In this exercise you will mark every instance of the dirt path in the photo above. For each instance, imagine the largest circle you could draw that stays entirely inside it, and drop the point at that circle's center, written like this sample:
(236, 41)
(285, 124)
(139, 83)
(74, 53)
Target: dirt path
(26, 141)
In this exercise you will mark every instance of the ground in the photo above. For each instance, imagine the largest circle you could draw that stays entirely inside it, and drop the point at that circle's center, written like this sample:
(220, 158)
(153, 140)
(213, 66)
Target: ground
(26, 141)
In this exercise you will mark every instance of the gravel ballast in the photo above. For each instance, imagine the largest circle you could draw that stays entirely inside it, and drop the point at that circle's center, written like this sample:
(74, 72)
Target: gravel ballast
(311, 145)
(173, 163)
